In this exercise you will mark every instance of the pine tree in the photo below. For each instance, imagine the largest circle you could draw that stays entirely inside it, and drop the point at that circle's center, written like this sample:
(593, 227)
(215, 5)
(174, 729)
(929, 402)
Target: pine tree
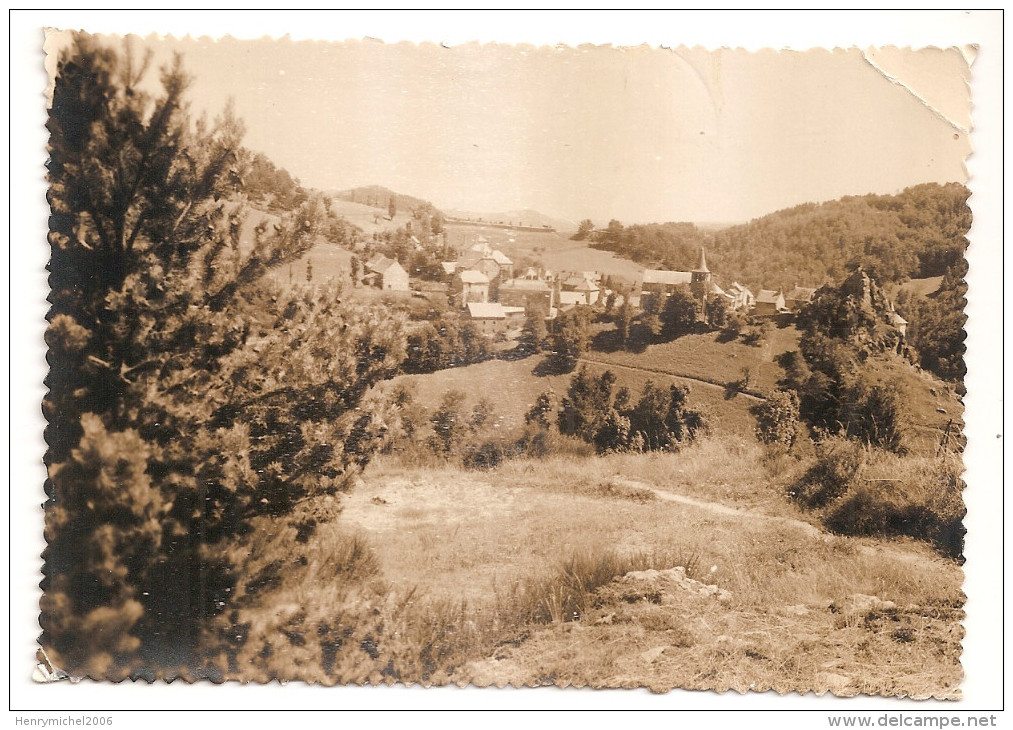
(187, 397)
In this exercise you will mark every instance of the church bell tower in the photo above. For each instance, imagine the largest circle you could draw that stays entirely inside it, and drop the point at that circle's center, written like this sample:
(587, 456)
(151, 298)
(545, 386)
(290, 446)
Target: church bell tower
(701, 282)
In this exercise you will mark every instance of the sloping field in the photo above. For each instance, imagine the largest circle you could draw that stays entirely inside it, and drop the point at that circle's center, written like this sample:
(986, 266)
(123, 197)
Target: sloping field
(703, 357)
(552, 250)
(371, 220)
(513, 386)
(919, 287)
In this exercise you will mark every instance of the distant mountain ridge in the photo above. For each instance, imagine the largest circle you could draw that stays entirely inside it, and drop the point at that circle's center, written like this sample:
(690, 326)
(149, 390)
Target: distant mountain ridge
(378, 196)
(526, 217)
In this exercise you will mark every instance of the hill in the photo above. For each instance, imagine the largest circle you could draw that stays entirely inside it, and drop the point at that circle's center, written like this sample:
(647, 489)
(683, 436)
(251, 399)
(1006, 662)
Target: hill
(916, 234)
(513, 386)
(551, 250)
(377, 196)
(369, 218)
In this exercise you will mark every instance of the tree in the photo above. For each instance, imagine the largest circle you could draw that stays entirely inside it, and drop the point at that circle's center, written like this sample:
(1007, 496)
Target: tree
(586, 404)
(187, 397)
(624, 319)
(449, 424)
(392, 207)
(571, 338)
(584, 230)
(777, 418)
(659, 420)
(535, 334)
(717, 312)
(538, 414)
(355, 270)
(679, 313)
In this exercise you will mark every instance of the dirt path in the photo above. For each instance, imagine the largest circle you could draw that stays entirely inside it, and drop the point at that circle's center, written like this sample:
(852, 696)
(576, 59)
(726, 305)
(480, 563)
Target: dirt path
(690, 378)
(723, 509)
(807, 528)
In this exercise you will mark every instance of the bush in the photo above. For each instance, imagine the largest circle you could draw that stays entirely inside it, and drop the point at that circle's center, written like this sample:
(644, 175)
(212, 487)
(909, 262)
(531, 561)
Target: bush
(489, 454)
(923, 502)
(777, 418)
(829, 478)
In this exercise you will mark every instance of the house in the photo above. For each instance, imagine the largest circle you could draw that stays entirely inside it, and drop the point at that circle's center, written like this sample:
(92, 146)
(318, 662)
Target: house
(386, 274)
(571, 282)
(490, 261)
(658, 281)
(493, 317)
(798, 297)
(473, 286)
(590, 291)
(535, 295)
(740, 298)
(769, 302)
(570, 299)
(899, 322)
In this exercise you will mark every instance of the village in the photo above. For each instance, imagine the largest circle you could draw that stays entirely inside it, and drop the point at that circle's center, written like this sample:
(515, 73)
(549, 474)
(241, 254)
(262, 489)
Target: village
(486, 287)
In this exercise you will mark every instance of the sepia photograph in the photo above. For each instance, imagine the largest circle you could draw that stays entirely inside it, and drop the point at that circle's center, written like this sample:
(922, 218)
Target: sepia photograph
(488, 365)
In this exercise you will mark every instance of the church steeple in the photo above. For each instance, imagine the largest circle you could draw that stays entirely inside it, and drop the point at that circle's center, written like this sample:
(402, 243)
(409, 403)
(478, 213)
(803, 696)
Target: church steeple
(703, 262)
(701, 278)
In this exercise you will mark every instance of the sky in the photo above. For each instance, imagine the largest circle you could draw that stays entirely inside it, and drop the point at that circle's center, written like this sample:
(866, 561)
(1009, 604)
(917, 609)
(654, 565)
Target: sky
(639, 134)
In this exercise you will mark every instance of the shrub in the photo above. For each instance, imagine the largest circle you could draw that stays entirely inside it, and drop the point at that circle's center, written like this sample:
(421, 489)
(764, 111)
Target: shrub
(489, 454)
(829, 478)
(923, 501)
(777, 418)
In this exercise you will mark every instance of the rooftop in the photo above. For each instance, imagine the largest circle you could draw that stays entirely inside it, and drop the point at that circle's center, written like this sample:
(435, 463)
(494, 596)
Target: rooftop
(470, 276)
(668, 278)
(525, 284)
(486, 310)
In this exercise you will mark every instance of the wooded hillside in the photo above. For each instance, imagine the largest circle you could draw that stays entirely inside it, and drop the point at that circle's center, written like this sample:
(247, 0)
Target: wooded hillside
(917, 233)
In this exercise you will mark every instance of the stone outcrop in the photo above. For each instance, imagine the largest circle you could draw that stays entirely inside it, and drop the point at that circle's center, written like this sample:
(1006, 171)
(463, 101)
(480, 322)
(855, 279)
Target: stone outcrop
(661, 587)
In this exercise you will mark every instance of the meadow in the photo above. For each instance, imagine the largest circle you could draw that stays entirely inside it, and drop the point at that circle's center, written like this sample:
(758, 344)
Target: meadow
(512, 386)
(551, 250)
(516, 576)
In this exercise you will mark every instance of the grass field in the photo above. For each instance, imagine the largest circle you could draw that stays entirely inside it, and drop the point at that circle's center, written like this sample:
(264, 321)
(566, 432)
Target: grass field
(552, 250)
(451, 538)
(920, 287)
(512, 387)
(371, 220)
(703, 356)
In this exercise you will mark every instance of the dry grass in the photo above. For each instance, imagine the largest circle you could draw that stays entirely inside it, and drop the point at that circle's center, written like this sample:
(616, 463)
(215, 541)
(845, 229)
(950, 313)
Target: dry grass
(703, 356)
(513, 386)
(441, 575)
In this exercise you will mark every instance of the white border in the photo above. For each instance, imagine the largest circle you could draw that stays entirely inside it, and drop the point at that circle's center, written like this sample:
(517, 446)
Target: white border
(983, 650)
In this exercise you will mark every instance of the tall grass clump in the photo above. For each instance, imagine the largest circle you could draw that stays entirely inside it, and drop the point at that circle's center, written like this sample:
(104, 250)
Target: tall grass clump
(916, 497)
(859, 490)
(567, 592)
(831, 475)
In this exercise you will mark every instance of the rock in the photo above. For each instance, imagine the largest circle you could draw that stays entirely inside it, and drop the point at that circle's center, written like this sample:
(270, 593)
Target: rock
(378, 500)
(860, 603)
(834, 682)
(651, 655)
(664, 586)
